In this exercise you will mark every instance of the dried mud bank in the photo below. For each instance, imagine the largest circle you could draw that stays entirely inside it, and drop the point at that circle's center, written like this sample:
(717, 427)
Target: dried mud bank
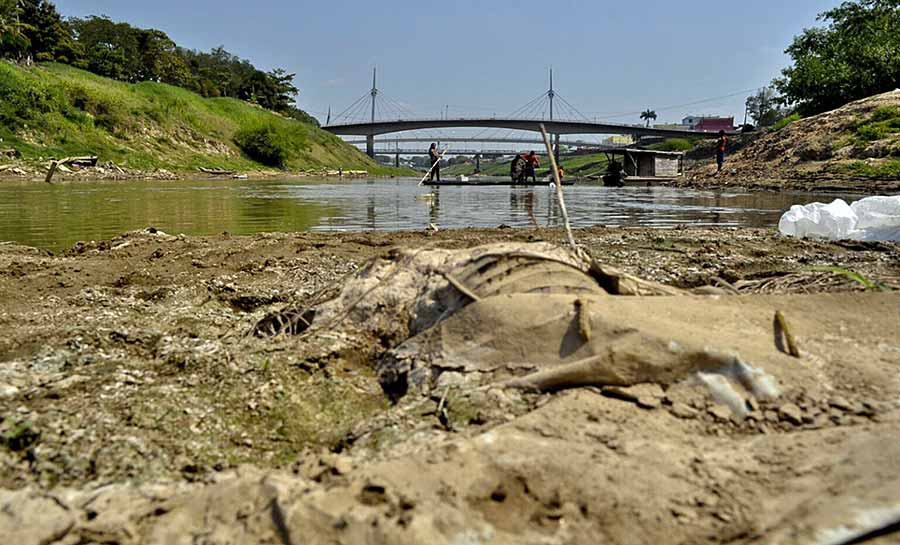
(137, 409)
(37, 172)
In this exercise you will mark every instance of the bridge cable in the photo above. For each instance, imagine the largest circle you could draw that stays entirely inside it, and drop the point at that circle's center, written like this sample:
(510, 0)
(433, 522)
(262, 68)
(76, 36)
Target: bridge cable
(352, 106)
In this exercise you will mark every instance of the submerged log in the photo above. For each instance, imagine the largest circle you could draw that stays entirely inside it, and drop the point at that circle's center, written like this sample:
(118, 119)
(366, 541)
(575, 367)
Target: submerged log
(85, 161)
(216, 171)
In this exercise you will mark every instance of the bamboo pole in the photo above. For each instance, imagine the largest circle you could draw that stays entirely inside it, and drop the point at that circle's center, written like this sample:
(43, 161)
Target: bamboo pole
(559, 193)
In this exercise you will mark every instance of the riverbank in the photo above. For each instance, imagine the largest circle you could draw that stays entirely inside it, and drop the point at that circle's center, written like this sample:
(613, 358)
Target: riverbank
(152, 130)
(36, 171)
(855, 148)
(130, 387)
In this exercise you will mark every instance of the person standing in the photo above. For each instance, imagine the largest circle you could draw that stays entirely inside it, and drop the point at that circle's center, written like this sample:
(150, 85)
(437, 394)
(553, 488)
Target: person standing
(721, 145)
(531, 167)
(435, 163)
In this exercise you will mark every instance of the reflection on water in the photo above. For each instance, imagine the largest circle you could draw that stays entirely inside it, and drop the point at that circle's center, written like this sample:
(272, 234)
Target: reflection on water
(56, 216)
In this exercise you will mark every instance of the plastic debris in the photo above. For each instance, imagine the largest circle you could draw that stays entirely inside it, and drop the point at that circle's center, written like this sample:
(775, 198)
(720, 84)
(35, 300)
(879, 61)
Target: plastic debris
(871, 218)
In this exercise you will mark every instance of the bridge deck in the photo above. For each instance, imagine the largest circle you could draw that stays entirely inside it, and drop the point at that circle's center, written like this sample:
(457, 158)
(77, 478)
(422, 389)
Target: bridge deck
(555, 127)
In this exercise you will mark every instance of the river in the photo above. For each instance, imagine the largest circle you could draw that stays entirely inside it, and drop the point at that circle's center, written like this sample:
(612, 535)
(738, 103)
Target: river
(56, 216)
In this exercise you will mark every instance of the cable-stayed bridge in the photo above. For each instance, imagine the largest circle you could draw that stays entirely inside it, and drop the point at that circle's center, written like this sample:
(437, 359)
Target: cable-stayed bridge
(374, 114)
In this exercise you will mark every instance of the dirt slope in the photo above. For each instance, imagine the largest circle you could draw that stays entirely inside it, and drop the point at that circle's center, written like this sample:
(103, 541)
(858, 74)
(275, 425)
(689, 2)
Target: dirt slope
(853, 148)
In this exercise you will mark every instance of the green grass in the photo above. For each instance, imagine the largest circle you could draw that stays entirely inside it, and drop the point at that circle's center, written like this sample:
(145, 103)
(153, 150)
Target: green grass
(578, 165)
(54, 110)
(785, 121)
(860, 279)
(882, 170)
(673, 144)
(883, 122)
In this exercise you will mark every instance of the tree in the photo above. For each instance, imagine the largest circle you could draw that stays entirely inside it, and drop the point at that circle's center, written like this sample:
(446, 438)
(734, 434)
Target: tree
(50, 37)
(160, 60)
(110, 49)
(35, 29)
(763, 107)
(648, 115)
(14, 42)
(855, 56)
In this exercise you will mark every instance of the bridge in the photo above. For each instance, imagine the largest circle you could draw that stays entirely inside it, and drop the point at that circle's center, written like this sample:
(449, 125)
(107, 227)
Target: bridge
(407, 140)
(395, 118)
(455, 151)
(372, 129)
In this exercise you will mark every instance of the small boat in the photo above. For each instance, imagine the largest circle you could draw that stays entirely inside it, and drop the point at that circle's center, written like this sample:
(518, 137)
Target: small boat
(492, 181)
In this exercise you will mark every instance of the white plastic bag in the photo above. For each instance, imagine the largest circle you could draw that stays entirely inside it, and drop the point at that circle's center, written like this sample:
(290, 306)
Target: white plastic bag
(835, 220)
(871, 218)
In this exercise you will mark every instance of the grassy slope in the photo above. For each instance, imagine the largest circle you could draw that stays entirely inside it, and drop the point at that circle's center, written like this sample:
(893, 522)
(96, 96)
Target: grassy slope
(579, 165)
(860, 140)
(54, 110)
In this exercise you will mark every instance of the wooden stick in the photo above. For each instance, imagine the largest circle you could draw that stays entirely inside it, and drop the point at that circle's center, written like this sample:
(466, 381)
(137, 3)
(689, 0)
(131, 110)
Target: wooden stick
(792, 348)
(54, 165)
(52, 170)
(559, 192)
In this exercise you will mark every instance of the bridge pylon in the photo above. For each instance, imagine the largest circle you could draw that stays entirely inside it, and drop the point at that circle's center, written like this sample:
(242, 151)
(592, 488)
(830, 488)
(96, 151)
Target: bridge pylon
(370, 140)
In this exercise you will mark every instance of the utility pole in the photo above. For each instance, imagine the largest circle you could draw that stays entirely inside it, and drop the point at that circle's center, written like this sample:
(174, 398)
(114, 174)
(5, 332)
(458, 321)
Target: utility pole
(370, 139)
(328, 119)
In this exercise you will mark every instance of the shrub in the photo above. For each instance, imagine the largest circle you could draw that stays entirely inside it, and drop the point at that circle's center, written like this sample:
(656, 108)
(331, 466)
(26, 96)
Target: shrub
(887, 170)
(265, 144)
(784, 122)
(883, 122)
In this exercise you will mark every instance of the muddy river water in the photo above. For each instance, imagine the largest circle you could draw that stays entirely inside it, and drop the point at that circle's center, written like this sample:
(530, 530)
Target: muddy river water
(56, 216)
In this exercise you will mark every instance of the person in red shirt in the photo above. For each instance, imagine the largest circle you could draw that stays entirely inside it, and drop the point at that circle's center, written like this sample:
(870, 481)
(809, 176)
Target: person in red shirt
(532, 163)
(721, 144)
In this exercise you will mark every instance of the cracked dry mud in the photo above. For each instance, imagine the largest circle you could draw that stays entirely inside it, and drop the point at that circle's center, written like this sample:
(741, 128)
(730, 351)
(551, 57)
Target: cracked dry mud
(136, 410)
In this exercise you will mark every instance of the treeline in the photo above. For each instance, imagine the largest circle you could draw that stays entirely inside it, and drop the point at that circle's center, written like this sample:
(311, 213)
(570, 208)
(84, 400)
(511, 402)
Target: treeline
(855, 54)
(33, 30)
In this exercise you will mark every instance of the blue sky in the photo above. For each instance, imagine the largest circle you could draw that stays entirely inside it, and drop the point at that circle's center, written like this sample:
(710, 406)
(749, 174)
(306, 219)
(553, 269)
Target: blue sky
(483, 57)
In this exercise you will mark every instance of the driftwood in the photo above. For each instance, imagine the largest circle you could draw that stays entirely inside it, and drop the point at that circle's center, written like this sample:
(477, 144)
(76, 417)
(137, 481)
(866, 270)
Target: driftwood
(87, 161)
(342, 173)
(216, 171)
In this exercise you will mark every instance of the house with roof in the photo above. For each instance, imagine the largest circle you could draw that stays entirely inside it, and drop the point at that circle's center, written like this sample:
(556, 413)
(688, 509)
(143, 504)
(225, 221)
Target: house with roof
(709, 123)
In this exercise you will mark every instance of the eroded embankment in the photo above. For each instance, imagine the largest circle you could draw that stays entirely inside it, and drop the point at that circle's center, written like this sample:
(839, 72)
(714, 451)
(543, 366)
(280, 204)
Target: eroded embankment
(855, 148)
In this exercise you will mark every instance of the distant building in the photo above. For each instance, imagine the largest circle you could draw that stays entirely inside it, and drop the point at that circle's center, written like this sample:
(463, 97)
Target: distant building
(691, 120)
(711, 123)
(619, 140)
(715, 124)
